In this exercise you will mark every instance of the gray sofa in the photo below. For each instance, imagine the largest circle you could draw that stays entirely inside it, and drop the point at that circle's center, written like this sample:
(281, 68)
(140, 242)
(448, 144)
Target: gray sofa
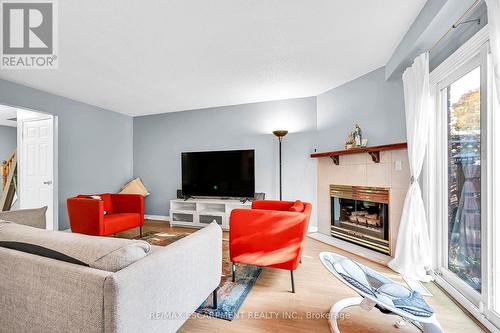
(154, 293)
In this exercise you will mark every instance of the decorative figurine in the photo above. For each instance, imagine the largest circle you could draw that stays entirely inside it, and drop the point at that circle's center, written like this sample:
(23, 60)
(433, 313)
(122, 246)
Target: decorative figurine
(355, 139)
(357, 136)
(350, 141)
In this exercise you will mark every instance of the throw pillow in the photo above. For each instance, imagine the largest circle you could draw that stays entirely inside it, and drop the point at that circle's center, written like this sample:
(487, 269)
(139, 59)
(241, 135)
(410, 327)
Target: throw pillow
(135, 187)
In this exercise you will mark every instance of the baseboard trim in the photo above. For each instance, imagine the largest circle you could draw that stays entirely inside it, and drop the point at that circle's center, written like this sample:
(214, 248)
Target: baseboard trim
(464, 303)
(157, 217)
(167, 218)
(312, 229)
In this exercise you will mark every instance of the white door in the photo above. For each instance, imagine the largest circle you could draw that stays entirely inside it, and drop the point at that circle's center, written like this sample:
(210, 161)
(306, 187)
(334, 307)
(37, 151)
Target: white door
(37, 169)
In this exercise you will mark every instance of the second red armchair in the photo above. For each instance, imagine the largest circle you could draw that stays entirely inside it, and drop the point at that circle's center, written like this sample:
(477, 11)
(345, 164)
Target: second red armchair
(271, 234)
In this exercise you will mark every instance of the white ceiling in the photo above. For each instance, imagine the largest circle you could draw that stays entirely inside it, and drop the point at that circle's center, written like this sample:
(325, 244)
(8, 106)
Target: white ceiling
(7, 113)
(146, 57)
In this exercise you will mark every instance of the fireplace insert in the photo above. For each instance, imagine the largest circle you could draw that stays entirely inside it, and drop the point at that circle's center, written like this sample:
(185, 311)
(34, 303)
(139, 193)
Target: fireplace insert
(360, 215)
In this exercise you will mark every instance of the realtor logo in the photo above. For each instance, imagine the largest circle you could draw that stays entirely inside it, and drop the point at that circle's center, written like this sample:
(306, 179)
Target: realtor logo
(28, 35)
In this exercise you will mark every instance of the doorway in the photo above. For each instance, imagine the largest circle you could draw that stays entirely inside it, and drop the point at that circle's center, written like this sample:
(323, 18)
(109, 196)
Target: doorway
(36, 157)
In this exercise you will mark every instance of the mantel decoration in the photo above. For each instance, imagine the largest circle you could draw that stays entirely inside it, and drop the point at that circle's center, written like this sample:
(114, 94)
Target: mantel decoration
(355, 139)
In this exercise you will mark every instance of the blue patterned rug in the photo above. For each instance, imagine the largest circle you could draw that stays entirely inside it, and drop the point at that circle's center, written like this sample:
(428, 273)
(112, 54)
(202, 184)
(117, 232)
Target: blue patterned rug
(231, 295)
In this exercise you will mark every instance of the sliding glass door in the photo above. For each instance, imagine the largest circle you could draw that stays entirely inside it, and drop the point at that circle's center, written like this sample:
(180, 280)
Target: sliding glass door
(462, 188)
(461, 136)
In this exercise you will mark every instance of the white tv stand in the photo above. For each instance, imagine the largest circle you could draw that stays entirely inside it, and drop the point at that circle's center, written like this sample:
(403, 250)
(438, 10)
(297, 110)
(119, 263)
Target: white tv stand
(198, 213)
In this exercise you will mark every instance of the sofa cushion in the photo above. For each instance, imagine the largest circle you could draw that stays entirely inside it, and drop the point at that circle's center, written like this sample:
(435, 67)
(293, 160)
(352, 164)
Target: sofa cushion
(40, 251)
(31, 217)
(108, 254)
(298, 206)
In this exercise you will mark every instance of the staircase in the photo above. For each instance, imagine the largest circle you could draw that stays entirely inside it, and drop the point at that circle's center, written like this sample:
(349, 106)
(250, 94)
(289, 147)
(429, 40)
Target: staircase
(9, 182)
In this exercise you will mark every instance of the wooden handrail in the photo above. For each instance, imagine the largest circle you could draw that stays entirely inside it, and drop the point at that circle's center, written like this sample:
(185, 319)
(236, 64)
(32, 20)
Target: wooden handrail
(6, 167)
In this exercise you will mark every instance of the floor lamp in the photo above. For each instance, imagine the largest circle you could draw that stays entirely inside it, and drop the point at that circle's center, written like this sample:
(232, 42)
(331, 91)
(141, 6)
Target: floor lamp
(280, 134)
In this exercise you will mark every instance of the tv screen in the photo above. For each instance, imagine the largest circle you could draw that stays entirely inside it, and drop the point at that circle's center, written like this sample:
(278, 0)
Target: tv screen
(219, 173)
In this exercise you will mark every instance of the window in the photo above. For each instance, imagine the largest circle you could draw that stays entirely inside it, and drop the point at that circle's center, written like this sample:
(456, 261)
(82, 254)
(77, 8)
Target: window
(463, 99)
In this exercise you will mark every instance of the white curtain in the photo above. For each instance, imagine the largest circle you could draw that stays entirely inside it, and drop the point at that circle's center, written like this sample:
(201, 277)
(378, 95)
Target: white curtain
(494, 31)
(412, 256)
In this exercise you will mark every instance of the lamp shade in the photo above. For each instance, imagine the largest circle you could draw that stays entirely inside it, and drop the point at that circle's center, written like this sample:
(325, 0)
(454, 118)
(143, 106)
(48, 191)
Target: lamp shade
(280, 133)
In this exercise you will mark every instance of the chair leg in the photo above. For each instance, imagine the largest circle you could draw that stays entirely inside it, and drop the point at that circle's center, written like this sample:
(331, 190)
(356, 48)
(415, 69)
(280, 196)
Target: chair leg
(214, 295)
(234, 272)
(140, 231)
(293, 282)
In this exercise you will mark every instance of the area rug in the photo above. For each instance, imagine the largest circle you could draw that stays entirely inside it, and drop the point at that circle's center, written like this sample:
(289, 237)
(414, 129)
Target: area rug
(231, 295)
(161, 238)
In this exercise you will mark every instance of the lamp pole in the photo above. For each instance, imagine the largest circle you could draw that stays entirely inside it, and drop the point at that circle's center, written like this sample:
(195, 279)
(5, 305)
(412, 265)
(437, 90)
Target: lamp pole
(280, 134)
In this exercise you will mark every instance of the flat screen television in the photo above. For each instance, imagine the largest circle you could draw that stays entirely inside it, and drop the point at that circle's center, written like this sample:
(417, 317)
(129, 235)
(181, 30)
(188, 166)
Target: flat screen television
(228, 173)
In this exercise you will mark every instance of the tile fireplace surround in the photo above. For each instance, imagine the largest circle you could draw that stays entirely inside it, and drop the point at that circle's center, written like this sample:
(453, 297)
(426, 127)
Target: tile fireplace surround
(359, 170)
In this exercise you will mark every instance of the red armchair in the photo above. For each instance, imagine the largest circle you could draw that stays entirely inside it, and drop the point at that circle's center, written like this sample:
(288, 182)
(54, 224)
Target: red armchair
(123, 212)
(271, 234)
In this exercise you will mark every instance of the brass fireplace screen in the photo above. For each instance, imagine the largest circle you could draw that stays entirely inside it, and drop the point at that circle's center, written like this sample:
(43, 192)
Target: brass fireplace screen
(360, 215)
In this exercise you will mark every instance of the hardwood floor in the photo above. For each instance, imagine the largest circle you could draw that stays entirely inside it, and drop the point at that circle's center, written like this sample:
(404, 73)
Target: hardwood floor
(270, 307)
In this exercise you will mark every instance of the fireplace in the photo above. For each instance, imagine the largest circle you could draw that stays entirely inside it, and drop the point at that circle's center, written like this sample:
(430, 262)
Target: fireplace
(360, 215)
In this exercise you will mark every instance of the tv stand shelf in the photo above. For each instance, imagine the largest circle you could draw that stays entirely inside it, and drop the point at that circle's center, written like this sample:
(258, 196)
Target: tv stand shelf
(198, 213)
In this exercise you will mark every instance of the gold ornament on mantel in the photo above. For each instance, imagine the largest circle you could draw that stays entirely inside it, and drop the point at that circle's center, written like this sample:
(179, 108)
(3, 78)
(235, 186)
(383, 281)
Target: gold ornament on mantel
(355, 139)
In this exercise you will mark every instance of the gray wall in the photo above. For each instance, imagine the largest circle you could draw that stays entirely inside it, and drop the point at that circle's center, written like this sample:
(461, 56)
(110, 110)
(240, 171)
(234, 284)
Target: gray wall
(8, 142)
(372, 102)
(160, 139)
(95, 147)
(99, 150)
(433, 21)
(323, 123)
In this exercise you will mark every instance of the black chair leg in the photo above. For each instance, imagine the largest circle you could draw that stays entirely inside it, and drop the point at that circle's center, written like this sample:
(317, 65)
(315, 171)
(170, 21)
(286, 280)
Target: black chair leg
(214, 302)
(140, 231)
(293, 282)
(234, 272)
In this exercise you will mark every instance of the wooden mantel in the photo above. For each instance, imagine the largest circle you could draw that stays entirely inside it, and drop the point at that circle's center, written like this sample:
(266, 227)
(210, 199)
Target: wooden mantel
(373, 151)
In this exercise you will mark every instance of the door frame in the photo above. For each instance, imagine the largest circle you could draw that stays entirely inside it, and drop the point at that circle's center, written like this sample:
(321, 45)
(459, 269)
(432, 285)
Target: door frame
(54, 224)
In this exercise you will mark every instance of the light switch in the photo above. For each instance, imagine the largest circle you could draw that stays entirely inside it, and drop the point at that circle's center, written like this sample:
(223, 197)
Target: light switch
(397, 165)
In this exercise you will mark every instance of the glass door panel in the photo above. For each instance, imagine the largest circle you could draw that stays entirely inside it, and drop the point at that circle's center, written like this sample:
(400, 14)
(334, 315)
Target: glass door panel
(464, 178)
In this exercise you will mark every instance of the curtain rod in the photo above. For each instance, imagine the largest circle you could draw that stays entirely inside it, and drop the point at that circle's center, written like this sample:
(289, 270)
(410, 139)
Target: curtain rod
(457, 23)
